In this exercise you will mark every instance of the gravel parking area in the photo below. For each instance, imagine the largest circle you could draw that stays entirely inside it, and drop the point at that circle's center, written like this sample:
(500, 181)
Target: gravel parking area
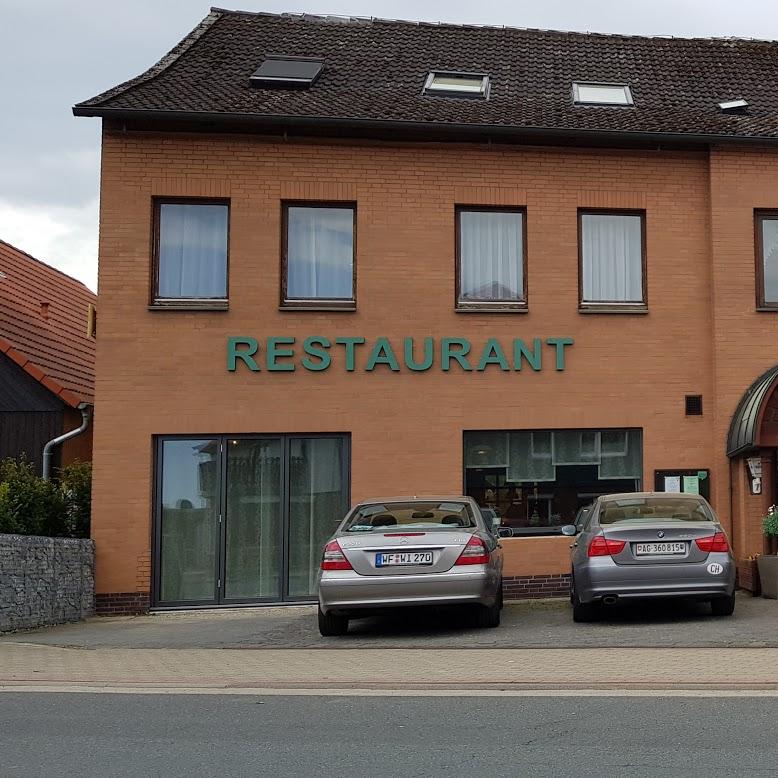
(525, 624)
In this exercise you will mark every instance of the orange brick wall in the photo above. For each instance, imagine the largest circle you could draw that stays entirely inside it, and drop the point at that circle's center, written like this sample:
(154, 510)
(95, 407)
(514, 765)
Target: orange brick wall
(164, 372)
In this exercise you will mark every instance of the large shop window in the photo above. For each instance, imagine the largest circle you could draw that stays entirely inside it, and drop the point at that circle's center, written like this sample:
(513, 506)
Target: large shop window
(767, 259)
(612, 257)
(190, 252)
(537, 480)
(318, 259)
(244, 519)
(490, 258)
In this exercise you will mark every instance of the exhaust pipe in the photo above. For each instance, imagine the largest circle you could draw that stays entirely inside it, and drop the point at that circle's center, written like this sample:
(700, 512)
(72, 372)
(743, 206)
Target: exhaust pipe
(610, 599)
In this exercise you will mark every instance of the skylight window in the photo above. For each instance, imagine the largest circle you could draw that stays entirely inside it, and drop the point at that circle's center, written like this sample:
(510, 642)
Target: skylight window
(734, 106)
(277, 70)
(601, 94)
(451, 84)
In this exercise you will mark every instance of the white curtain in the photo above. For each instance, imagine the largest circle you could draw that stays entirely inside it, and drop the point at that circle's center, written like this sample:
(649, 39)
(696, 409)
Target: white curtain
(320, 253)
(192, 251)
(491, 256)
(770, 259)
(611, 249)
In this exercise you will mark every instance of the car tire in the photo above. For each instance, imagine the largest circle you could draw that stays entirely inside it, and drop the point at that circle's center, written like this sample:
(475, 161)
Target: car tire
(724, 606)
(332, 625)
(488, 616)
(500, 595)
(583, 612)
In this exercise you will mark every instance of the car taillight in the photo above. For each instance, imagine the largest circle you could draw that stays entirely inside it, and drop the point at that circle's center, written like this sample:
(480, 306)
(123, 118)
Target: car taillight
(474, 553)
(717, 542)
(602, 546)
(334, 558)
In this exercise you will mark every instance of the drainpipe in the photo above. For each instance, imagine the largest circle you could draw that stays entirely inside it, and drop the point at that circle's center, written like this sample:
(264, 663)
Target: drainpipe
(48, 449)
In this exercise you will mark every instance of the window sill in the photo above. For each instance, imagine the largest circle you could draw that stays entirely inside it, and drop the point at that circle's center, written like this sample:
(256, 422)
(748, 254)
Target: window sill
(489, 308)
(335, 307)
(190, 305)
(627, 308)
(767, 309)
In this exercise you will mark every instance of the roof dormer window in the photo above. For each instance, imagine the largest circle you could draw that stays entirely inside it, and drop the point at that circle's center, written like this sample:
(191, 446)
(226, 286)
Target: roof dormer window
(601, 94)
(446, 83)
(279, 70)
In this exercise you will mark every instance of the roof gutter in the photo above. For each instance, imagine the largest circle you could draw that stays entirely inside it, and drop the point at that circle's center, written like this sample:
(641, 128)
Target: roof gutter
(394, 125)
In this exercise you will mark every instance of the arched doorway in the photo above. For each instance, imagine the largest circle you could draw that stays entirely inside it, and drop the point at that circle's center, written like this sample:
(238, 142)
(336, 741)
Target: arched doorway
(752, 443)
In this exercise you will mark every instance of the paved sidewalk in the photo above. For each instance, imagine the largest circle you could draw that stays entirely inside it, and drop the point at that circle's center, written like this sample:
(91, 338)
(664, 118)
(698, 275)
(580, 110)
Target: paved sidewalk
(637, 668)
(525, 624)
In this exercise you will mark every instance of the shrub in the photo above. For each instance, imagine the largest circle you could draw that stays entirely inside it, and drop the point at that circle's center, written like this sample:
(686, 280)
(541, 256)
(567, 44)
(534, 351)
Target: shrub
(31, 506)
(770, 522)
(75, 481)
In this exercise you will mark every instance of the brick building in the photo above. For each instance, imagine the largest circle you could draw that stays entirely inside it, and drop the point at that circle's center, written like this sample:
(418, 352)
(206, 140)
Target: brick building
(348, 257)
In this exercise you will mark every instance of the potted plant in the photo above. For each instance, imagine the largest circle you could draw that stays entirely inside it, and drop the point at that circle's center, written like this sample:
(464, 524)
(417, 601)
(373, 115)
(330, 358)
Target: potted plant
(768, 563)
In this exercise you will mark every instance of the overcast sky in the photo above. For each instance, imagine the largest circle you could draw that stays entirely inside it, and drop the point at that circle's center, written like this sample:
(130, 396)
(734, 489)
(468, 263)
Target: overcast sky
(54, 53)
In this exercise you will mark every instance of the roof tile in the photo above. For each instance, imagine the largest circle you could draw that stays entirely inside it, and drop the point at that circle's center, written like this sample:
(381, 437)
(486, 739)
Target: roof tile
(375, 70)
(49, 341)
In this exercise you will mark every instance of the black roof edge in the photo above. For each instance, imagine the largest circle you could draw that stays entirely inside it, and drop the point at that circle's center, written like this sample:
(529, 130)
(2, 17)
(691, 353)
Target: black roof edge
(484, 131)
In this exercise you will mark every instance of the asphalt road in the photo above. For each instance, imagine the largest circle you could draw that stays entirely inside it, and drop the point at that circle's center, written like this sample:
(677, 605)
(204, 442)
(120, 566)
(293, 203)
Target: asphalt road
(86, 735)
(525, 624)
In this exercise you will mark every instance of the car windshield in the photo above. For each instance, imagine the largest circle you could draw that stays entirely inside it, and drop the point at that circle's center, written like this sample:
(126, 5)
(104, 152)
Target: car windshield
(410, 515)
(647, 509)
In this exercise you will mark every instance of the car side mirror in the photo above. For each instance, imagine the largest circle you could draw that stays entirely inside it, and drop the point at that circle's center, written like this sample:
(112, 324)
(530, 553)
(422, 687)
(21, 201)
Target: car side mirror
(569, 530)
(504, 532)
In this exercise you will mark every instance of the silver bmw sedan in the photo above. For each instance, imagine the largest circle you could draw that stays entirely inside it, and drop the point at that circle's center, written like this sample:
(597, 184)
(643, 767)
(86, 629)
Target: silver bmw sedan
(411, 551)
(650, 545)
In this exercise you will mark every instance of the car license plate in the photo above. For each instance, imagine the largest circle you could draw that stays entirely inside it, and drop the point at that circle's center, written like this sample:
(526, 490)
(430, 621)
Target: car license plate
(404, 558)
(659, 549)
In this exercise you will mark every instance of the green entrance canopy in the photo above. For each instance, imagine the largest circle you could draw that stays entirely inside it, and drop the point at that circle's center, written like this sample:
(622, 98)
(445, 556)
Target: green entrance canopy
(744, 428)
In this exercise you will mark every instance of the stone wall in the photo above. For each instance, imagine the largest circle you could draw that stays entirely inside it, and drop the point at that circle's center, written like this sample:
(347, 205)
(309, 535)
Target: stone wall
(45, 581)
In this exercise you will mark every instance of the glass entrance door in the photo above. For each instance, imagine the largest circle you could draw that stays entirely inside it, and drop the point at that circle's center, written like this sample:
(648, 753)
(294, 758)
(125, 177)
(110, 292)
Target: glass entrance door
(253, 520)
(188, 521)
(244, 519)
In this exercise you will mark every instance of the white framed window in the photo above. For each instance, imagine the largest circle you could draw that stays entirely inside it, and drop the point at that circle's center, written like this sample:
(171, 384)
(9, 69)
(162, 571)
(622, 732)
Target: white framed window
(601, 94)
(452, 84)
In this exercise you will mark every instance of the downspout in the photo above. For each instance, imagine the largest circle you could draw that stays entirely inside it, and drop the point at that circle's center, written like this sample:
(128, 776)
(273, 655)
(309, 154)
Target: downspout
(48, 449)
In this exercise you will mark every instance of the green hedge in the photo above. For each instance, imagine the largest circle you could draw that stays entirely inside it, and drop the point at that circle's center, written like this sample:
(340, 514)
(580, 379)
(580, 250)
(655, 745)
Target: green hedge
(31, 506)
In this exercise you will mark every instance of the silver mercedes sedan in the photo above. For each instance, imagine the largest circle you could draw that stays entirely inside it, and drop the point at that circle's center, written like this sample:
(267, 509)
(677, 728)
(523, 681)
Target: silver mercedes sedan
(650, 545)
(411, 551)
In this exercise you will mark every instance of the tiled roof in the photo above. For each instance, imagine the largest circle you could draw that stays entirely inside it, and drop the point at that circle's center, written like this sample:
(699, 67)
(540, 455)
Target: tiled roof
(375, 71)
(43, 321)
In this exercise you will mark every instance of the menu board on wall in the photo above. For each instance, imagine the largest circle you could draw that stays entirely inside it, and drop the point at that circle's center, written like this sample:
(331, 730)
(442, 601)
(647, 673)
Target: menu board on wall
(691, 481)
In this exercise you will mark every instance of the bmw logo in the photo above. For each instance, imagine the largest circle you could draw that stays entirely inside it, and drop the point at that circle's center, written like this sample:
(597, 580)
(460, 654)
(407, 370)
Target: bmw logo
(660, 534)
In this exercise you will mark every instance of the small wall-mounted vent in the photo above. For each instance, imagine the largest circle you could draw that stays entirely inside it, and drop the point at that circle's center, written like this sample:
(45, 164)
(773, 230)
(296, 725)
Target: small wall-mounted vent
(733, 106)
(694, 405)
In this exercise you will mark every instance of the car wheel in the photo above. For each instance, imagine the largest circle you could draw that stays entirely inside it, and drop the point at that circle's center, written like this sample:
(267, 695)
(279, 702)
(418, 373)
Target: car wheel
(331, 624)
(724, 606)
(583, 611)
(488, 616)
(500, 595)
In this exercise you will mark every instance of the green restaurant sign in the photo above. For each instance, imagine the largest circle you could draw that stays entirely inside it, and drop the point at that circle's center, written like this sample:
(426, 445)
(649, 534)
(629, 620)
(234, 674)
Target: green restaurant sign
(316, 353)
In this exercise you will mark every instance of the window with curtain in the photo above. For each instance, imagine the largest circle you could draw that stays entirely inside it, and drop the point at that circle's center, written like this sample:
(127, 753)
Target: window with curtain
(319, 258)
(490, 264)
(611, 258)
(191, 251)
(767, 262)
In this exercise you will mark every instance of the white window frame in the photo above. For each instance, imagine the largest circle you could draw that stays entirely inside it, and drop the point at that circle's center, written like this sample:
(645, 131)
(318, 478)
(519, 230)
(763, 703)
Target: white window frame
(450, 90)
(627, 101)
